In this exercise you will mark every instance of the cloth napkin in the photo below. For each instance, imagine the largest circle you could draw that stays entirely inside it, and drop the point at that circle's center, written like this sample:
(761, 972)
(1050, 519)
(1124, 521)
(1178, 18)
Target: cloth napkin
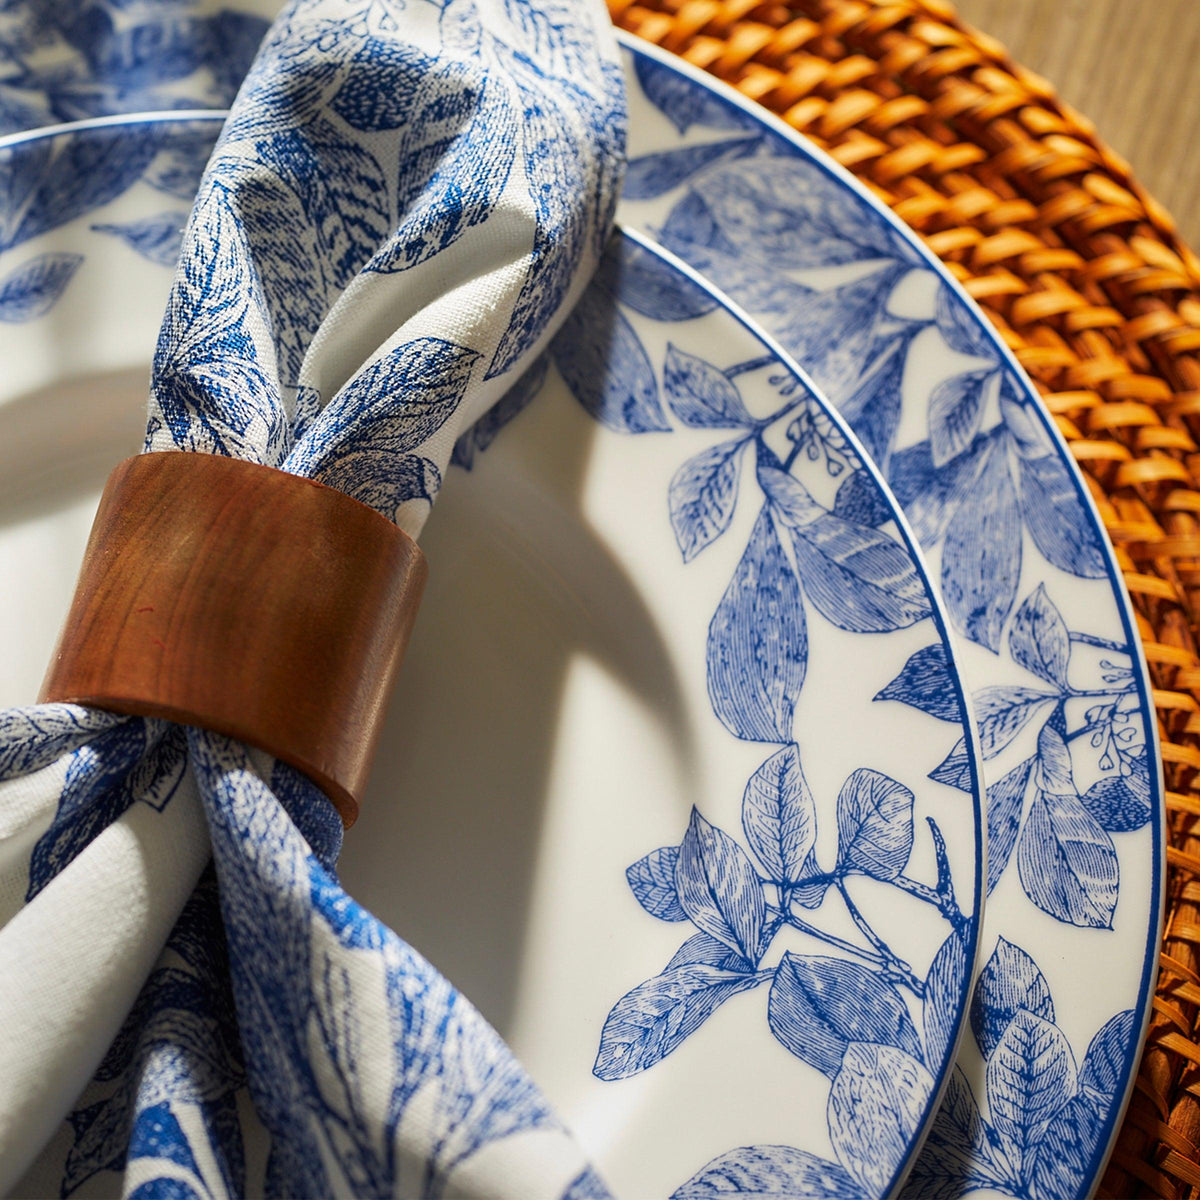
(406, 200)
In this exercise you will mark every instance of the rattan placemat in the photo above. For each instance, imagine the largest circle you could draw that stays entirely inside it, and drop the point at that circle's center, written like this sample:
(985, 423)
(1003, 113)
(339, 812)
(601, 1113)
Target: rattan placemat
(1087, 281)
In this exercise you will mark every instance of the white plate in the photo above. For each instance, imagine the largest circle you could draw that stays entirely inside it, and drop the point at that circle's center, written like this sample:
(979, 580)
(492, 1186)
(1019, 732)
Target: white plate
(553, 739)
(1047, 640)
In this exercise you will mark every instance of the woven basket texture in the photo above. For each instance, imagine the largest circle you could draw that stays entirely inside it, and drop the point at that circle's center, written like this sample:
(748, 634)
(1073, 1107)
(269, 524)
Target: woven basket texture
(1086, 279)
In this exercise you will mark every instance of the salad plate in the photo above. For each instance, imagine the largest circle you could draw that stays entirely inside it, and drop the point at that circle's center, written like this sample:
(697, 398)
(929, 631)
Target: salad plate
(1046, 637)
(650, 793)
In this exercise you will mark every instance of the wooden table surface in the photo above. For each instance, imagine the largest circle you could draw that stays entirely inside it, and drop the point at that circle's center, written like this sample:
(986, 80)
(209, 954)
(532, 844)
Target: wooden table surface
(1132, 67)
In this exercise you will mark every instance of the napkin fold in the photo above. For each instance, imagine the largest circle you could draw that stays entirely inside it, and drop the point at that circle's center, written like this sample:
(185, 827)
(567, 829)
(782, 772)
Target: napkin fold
(405, 202)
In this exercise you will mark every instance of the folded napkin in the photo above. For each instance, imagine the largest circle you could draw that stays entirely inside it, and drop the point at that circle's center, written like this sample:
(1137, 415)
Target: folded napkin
(405, 201)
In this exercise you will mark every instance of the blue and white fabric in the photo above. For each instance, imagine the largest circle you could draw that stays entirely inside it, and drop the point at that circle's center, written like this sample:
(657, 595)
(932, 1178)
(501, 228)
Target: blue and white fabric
(404, 204)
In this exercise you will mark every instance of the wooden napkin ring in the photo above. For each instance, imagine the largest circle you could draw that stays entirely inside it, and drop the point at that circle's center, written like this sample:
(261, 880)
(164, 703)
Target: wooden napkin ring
(249, 601)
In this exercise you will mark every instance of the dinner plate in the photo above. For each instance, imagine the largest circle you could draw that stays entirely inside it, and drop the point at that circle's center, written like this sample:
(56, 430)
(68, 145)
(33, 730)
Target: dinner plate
(646, 792)
(1047, 640)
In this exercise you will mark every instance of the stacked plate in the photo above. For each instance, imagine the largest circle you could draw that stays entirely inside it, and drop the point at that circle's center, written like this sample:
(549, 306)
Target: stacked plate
(765, 603)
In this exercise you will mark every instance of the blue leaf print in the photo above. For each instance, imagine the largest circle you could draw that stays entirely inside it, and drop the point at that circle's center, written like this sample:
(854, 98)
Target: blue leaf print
(956, 1155)
(770, 1173)
(77, 175)
(700, 395)
(1068, 863)
(652, 881)
(955, 769)
(1065, 1153)
(178, 168)
(1005, 803)
(1049, 499)
(929, 495)
(1054, 760)
(1119, 803)
(33, 737)
(381, 89)
(818, 1007)
(1107, 1057)
(927, 682)
(703, 948)
(956, 408)
(1030, 1077)
(943, 997)
(876, 1106)
(981, 559)
(858, 578)
(653, 175)
(156, 238)
(875, 824)
(702, 496)
(1008, 984)
(758, 643)
(860, 501)
(1039, 640)
(651, 285)
(602, 361)
(719, 889)
(388, 409)
(873, 408)
(680, 102)
(957, 324)
(779, 815)
(510, 406)
(34, 287)
(652, 1020)
(1003, 711)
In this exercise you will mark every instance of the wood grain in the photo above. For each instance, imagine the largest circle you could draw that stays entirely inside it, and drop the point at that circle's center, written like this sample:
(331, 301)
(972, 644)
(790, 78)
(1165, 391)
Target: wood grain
(228, 595)
(1131, 67)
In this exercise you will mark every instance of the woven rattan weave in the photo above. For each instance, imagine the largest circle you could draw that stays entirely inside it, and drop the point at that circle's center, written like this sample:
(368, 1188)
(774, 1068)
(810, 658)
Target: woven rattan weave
(1087, 281)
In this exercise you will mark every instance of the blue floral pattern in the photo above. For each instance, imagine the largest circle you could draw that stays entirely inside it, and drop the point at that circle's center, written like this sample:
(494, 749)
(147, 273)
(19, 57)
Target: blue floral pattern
(976, 470)
(278, 1002)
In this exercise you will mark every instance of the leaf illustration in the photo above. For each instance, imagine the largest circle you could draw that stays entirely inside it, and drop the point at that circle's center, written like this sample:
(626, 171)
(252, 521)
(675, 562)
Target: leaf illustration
(875, 824)
(651, 175)
(1054, 762)
(877, 1104)
(960, 327)
(779, 815)
(1050, 498)
(930, 496)
(943, 997)
(1008, 984)
(510, 406)
(1068, 863)
(858, 578)
(1119, 803)
(652, 881)
(178, 167)
(956, 408)
(1066, 1153)
(719, 889)
(927, 682)
(34, 287)
(757, 642)
(700, 395)
(770, 1173)
(981, 559)
(33, 737)
(1003, 711)
(156, 238)
(374, 472)
(603, 363)
(651, 285)
(860, 501)
(703, 948)
(873, 408)
(702, 496)
(1107, 1061)
(956, 1157)
(679, 100)
(1005, 803)
(1039, 640)
(649, 1022)
(955, 770)
(818, 1006)
(1030, 1077)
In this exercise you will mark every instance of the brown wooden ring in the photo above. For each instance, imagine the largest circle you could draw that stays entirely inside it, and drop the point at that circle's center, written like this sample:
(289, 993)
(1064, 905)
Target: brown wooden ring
(249, 601)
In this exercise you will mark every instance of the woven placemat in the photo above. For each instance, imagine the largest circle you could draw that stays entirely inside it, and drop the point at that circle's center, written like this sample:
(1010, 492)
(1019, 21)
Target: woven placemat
(1087, 281)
